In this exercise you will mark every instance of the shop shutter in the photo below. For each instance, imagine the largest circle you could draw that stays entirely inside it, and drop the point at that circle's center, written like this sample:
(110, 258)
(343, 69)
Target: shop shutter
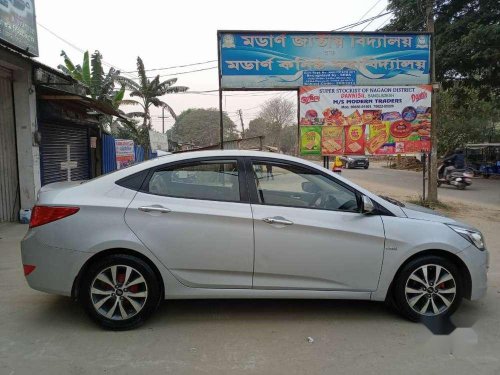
(9, 182)
(55, 139)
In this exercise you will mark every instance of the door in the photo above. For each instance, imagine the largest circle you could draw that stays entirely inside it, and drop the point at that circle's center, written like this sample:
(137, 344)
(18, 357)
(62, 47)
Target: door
(309, 231)
(9, 182)
(197, 219)
(64, 150)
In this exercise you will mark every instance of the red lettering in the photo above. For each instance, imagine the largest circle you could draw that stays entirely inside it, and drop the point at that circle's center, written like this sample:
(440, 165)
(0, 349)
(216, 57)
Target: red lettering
(309, 99)
(419, 96)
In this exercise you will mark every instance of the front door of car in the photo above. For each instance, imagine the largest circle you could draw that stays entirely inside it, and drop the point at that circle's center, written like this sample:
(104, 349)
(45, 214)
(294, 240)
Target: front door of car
(197, 219)
(309, 231)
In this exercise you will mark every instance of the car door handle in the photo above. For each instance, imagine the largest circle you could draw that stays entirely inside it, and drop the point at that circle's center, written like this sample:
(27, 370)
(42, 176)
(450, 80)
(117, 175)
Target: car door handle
(162, 210)
(276, 220)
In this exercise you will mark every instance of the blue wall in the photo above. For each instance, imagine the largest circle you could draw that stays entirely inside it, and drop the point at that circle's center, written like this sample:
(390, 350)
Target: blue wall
(109, 154)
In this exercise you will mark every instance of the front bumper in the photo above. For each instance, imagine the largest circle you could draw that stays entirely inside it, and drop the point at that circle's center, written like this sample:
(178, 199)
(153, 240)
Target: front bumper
(477, 262)
(56, 268)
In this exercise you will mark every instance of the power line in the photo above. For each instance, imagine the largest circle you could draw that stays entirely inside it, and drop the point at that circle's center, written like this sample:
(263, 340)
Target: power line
(82, 51)
(369, 10)
(174, 67)
(362, 22)
(368, 24)
(185, 72)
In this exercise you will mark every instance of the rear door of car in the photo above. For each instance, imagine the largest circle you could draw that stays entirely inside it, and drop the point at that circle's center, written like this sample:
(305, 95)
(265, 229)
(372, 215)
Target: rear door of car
(196, 217)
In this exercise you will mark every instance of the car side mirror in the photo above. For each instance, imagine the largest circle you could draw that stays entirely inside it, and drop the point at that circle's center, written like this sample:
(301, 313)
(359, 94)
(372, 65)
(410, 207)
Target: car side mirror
(310, 187)
(368, 206)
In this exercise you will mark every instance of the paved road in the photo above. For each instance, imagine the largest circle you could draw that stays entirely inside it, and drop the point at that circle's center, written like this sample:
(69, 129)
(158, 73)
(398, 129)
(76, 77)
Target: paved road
(482, 191)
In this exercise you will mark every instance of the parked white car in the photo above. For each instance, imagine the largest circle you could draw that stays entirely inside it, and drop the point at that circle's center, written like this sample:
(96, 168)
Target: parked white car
(242, 224)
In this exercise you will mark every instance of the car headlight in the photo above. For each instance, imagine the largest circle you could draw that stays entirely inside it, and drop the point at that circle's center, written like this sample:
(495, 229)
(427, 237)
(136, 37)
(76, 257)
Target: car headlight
(473, 236)
(350, 159)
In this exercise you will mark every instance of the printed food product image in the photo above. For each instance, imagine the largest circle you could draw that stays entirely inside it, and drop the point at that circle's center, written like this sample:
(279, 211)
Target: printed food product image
(378, 136)
(310, 140)
(332, 140)
(355, 140)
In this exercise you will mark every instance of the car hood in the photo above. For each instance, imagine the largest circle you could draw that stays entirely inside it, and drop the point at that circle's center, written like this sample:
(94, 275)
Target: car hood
(414, 211)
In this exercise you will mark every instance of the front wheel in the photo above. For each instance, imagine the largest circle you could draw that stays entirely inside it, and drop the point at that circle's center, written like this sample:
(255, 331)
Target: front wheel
(461, 186)
(429, 287)
(366, 167)
(120, 292)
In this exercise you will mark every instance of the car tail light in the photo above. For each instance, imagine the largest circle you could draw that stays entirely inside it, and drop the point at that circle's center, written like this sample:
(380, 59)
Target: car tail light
(46, 214)
(28, 268)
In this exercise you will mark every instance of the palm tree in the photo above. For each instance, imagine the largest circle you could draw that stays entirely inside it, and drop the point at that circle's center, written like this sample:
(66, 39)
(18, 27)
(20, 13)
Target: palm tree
(149, 93)
(99, 86)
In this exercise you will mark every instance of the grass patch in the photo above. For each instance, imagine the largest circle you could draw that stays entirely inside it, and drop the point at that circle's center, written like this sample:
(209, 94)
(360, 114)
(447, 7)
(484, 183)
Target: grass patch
(432, 205)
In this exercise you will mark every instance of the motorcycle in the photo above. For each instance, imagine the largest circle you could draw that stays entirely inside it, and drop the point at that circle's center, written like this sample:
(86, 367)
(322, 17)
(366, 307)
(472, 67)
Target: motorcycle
(460, 178)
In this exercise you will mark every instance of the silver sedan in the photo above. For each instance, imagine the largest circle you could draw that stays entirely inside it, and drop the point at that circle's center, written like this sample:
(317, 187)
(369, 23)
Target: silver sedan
(242, 224)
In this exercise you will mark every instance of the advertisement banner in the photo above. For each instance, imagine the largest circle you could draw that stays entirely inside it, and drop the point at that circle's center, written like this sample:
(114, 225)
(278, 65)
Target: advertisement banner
(125, 155)
(390, 119)
(18, 25)
(257, 59)
(310, 140)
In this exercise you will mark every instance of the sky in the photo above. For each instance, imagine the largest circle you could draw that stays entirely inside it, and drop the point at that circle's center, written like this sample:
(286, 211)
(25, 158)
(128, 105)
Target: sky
(172, 33)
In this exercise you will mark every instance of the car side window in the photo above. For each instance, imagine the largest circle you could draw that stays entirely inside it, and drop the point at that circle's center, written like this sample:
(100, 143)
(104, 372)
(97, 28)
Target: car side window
(289, 185)
(210, 180)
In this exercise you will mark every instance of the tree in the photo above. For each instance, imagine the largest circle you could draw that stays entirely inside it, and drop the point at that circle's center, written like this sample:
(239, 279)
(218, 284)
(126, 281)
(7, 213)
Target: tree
(149, 92)
(131, 129)
(466, 39)
(275, 116)
(465, 117)
(467, 36)
(201, 127)
(99, 86)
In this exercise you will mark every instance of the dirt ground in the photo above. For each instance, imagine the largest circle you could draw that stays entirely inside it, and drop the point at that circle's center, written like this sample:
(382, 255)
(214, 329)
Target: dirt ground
(45, 334)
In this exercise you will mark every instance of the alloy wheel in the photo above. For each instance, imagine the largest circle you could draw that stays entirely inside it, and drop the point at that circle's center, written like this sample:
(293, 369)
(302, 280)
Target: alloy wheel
(119, 292)
(430, 290)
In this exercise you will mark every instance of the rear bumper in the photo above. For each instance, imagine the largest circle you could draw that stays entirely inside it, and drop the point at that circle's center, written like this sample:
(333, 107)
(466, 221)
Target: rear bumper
(478, 263)
(56, 268)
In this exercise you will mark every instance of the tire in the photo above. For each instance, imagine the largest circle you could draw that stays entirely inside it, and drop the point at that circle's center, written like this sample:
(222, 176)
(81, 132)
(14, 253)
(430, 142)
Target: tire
(486, 176)
(415, 304)
(365, 167)
(461, 186)
(129, 307)
(439, 184)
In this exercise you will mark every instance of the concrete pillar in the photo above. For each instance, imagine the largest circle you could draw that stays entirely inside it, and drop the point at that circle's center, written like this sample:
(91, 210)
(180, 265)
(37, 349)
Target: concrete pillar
(28, 155)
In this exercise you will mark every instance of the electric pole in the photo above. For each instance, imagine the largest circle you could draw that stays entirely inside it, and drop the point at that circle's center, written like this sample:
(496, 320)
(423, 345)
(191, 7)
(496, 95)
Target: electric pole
(163, 117)
(240, 112)
(432, 194)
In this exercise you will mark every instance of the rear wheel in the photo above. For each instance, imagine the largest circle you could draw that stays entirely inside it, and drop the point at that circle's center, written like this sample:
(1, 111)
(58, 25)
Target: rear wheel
(428, 288)
(120, 292)
(461, 186)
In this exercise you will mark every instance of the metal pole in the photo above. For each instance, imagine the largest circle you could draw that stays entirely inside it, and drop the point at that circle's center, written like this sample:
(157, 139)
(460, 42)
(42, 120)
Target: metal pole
(298, 123)
(163, 120)
(424, 163)
(221, 123)
(432, 183)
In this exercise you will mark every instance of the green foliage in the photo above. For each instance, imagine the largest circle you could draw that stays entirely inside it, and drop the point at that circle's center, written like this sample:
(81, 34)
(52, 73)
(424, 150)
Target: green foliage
(201, 127)
(99, 86)
(467, 47)
(465, 116)
(467, 38)
(276, 122)
(148, 93)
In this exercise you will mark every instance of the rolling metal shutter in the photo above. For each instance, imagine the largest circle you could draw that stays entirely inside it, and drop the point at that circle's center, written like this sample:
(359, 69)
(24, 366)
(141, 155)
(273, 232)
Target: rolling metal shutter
(9, 182)
(55, 139)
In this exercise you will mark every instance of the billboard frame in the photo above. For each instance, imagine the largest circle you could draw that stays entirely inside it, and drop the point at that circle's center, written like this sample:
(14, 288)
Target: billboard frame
(309, 32)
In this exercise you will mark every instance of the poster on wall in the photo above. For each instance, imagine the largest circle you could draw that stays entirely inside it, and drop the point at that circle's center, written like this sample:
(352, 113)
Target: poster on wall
(18, 25)
(377, 120)
(125, 155)
(332, 140)
(270, 59)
